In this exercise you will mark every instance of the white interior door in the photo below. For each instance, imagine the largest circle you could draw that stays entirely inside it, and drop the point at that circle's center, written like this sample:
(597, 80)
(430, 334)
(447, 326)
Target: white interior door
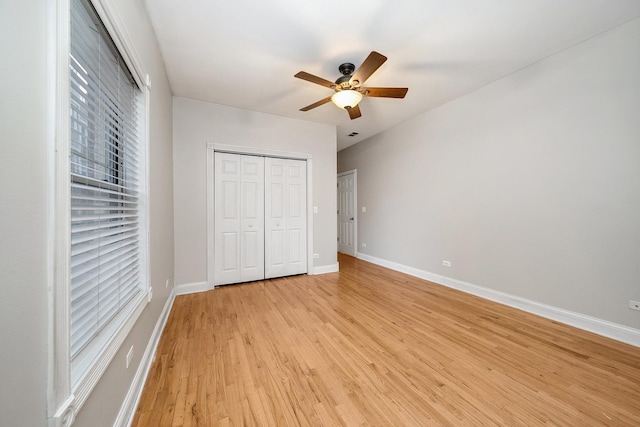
(347, 213)
(239, 218)
(285, 217)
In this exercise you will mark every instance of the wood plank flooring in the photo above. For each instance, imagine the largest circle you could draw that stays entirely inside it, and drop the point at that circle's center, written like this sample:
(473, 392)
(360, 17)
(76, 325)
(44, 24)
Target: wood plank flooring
(371, 346)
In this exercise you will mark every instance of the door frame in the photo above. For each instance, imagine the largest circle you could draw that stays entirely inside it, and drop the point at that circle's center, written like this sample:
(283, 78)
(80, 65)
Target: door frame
(212, 148)
(355, 209)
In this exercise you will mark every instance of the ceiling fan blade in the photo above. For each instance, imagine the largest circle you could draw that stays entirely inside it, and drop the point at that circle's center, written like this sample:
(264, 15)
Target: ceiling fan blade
(354, 112)
(315, 79)
(316, 104)
(385, 92)
(368, 67)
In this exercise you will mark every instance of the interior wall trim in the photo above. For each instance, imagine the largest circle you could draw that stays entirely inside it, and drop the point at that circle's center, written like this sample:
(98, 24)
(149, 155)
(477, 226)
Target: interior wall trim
(191, 288)
(131, 400)
(597, 326)
(324, 269)
(258, 151)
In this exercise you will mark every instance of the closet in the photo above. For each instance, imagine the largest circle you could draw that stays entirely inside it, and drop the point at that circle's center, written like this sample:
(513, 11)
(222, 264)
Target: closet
(260, 224)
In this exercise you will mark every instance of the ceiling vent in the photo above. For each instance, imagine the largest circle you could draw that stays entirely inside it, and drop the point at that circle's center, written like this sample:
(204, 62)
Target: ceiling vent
(353, 134)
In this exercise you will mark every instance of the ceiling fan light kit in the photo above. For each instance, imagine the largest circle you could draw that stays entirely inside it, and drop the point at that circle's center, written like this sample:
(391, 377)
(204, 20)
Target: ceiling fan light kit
(348, 86)
(346, 98)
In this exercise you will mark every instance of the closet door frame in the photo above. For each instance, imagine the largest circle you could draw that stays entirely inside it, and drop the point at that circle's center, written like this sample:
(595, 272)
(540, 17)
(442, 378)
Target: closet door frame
(212, 148)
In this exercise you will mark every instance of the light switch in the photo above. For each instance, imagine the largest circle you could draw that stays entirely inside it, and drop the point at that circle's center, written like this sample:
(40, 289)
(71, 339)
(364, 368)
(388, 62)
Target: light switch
(315, 209)
(364, 209)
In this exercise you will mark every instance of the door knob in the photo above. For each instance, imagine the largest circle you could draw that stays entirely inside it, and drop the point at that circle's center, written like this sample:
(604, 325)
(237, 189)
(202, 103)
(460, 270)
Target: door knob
(351, 218)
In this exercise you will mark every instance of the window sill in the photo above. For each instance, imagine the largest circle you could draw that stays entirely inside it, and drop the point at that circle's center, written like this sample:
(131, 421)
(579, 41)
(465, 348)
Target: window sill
(87, 371)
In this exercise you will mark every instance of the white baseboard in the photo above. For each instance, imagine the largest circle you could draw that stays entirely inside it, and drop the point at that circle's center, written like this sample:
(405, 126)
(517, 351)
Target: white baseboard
(192, 288)
(128, 408)
(591, 324)
(324, 269)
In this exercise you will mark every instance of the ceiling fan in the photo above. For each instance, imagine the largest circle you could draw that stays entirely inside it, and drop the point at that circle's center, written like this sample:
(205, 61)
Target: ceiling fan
(348, 87)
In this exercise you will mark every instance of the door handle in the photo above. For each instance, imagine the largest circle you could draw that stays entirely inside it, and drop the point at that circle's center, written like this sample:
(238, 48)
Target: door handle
(351, 218)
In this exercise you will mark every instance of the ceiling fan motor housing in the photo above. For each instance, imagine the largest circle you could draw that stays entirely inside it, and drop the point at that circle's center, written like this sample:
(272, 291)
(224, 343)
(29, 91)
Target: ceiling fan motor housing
(346, 70)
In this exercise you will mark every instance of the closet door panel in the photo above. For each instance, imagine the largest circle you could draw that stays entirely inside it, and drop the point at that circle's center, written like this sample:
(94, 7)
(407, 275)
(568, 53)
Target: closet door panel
(295, 257)
(275, 220)
(250, 253)
(252, 220)
(239, 218)
(285, 221)
(296, 175)
(229, 258)
(227, 218)
(276, 244)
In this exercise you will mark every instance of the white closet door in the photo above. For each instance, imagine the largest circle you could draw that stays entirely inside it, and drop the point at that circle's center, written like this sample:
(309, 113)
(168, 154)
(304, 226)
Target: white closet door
(285, 217)
(239, 218)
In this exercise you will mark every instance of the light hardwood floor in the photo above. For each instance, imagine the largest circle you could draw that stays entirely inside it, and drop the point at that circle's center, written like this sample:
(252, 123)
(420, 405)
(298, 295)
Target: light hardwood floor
(371, 346)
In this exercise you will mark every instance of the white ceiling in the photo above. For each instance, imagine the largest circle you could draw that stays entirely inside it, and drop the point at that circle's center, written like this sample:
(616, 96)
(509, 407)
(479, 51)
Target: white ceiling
(244, 53)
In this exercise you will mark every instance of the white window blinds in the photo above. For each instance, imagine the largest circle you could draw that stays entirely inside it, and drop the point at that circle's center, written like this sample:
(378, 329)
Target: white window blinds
(106, 163)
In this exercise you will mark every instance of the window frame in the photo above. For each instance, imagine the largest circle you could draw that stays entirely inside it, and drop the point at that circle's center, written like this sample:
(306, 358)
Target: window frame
(69, 386)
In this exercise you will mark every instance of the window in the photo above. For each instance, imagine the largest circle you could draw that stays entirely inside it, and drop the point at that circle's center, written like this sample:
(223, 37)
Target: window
(107, 188)
(98, 98)
(105, 165)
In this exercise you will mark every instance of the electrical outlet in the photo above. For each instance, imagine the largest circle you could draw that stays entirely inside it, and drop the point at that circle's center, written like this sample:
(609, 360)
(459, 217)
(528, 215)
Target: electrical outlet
(446, 263)
(634, 305)
(129, 356)
(364, 245)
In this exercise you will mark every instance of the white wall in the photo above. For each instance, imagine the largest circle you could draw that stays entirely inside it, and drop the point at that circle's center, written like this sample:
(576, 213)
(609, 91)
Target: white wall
(529, 185)
(25, 173)
(197, 123)
(23, 217)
